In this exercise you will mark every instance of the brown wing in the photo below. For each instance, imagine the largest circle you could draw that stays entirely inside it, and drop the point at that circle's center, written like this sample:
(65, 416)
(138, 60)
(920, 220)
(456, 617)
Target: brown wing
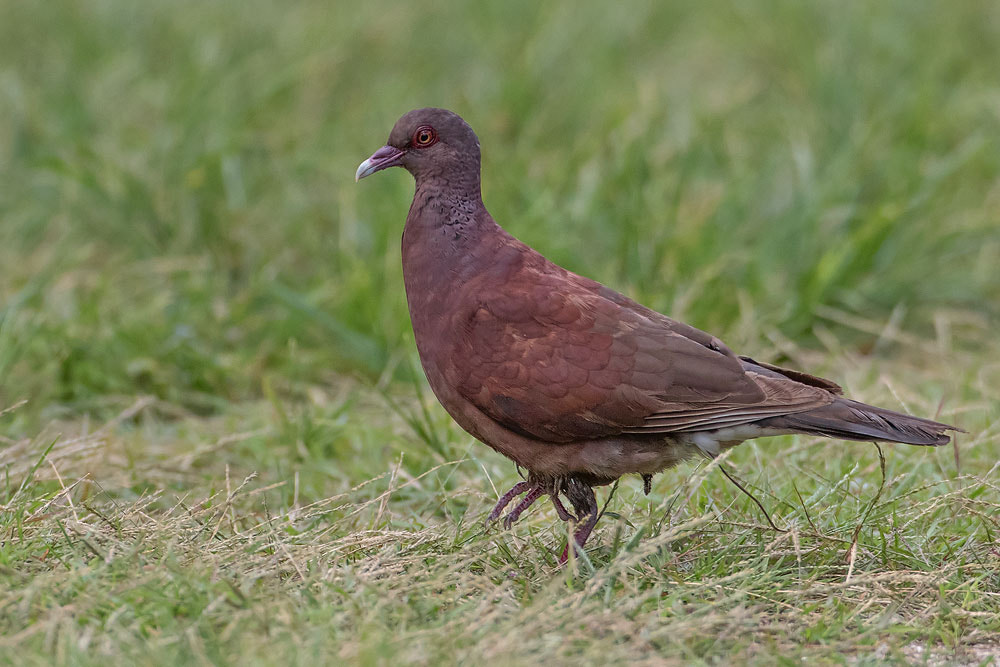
(561, 358)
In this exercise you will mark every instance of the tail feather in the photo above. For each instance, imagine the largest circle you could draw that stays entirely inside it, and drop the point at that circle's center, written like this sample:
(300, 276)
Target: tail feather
(851, 420)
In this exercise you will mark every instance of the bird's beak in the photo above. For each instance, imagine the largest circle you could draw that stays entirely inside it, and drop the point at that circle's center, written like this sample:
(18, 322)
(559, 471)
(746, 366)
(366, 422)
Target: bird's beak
(383, 158)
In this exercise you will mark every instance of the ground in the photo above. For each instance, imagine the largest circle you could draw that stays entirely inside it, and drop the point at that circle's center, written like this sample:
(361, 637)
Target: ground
(216, 445)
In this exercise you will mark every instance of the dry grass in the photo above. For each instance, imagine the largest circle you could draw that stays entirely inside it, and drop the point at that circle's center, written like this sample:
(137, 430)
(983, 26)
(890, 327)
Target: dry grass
(175, 550)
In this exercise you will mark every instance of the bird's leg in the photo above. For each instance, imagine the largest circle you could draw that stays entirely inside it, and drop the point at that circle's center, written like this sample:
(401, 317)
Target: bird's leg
(585, 503)
(533, 494)
(505, 499)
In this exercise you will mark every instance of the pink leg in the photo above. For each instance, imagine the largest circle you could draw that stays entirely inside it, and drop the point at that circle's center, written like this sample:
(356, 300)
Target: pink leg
(505, 499)
(534, 494)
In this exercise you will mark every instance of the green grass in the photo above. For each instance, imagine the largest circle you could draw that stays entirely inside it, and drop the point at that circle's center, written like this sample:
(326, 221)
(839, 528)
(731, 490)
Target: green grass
(228, 454)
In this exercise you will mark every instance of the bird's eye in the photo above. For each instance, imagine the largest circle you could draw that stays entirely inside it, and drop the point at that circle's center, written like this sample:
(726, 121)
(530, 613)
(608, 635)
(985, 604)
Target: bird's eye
(424, 136)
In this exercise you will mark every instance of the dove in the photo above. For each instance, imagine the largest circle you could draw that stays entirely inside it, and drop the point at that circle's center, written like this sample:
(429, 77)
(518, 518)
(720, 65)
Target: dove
(574, 382)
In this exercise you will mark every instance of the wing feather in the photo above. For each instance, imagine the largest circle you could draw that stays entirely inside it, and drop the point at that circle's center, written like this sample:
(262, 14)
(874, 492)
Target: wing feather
(562, 358)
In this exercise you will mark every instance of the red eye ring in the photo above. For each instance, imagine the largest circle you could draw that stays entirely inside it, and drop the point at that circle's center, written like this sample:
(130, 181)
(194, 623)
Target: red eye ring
(424, 136)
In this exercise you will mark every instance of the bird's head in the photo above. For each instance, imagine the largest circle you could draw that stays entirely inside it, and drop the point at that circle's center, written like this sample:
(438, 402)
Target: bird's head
(427, 142)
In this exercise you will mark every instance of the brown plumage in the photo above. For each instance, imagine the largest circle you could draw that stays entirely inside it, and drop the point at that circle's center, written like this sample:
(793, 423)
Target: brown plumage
(574, 382)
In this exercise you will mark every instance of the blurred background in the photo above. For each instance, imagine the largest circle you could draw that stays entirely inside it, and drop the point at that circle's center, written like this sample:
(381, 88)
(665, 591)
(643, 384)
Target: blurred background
(194, 292)
(179, 218)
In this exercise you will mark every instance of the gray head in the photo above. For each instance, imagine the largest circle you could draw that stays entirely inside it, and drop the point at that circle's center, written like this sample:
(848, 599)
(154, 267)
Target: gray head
(429, 143)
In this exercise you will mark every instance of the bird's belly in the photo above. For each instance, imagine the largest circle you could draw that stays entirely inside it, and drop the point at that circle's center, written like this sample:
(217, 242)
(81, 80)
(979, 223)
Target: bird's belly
(624, 455)
(712, 443)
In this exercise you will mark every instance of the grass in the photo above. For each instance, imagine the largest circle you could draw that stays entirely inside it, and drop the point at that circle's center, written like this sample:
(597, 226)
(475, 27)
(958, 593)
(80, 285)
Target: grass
(215, 442)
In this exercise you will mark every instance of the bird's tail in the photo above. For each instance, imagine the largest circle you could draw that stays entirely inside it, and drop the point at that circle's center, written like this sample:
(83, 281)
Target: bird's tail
(851, 420)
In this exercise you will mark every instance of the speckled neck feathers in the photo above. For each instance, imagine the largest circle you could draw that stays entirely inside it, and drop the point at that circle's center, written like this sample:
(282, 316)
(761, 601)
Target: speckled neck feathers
(447, 219)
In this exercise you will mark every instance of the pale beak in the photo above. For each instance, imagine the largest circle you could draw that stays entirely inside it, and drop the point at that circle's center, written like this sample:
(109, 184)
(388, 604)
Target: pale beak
(383, 158)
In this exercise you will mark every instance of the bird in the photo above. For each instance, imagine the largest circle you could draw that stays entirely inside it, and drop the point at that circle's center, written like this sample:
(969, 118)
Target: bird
(576, 383)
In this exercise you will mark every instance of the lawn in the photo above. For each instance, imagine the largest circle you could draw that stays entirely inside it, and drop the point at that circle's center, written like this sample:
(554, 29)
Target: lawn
(217, 447)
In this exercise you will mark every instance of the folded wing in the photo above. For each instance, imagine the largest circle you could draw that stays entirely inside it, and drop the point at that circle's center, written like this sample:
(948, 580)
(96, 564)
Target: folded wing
(560, 358)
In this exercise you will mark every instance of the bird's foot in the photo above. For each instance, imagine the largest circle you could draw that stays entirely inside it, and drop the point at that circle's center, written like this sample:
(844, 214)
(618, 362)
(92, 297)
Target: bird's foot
(534, 493)
(533, 490)
(505, 499)
(579, 494)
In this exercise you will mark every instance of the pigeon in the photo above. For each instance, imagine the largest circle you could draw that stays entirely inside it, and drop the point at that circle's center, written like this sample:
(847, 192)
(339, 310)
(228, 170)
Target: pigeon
(574, 382)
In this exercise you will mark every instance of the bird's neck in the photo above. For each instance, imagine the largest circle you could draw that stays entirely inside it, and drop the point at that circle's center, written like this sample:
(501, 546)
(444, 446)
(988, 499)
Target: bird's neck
(445, 219)
(447, 238)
